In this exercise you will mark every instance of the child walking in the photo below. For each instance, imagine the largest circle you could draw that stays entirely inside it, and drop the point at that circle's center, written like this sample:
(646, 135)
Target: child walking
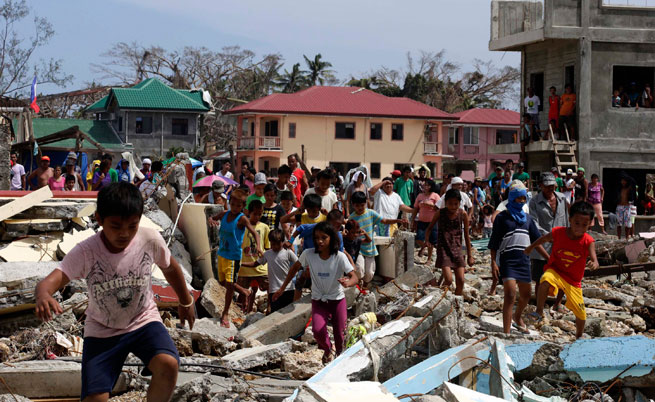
(451, 219)
(353, 238)
(233, 226)
(253, 278)
(331, 272)
(513, 232)
(122, 316)
(565, 267)
(367, 220)
(279, 261)
(425, 206)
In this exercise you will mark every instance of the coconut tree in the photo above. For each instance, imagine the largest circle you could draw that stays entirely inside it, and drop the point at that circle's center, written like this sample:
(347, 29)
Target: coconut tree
(292, 81)
(318, 70)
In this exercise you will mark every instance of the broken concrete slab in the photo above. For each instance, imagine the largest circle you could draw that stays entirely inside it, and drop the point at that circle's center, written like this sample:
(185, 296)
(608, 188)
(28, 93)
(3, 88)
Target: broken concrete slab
(210, 338)
(194, 390)
(197, 236)
(213, 300)
(70, 240)
(22, 227)
(420, 275)
(58, 210)
(347, 391)
(455, 393)
(18, 205)
(434, 371)
(608, 295)
(33, 249)
(45, 378)
(248, 358)
(302, 365)
(287, 322)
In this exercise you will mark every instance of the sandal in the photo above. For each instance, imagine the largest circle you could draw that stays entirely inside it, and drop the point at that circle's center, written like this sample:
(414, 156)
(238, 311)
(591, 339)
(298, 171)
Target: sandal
(327, 358)
(536, 317)
(521, 329)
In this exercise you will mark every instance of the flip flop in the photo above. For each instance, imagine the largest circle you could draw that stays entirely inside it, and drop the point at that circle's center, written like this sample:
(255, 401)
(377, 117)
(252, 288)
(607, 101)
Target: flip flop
(538, 318)
(521, 329)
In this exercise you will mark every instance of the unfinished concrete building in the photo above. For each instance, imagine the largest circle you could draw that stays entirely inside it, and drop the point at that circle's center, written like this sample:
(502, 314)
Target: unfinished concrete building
(597, 46)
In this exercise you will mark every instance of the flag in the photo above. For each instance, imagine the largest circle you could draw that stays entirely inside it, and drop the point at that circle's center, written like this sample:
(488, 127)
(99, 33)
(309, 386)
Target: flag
(33, 104)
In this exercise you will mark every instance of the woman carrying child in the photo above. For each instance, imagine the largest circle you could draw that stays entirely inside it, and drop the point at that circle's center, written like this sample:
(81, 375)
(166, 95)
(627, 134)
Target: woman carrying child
(451, 219)
(331, 272)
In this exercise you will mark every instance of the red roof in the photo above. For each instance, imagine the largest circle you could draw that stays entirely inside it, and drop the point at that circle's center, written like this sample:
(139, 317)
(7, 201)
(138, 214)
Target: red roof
(489, 117)
(341, 101)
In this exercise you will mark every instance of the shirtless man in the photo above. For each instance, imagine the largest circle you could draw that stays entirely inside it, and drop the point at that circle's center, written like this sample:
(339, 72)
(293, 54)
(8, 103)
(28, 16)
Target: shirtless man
(43, 173)
(626, 197)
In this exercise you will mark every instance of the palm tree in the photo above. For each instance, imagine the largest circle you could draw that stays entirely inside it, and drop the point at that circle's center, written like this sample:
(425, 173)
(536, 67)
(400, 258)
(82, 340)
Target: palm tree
(292, 81)
(318, 70)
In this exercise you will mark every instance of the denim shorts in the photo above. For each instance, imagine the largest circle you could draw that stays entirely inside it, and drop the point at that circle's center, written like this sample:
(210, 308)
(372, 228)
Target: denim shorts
(103, 358)
(421, 227)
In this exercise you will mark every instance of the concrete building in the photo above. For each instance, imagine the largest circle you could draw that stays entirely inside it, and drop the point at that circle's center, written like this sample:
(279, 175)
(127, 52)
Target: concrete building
(153, 117)
(596, 46)
(468, 140)
(342, 127)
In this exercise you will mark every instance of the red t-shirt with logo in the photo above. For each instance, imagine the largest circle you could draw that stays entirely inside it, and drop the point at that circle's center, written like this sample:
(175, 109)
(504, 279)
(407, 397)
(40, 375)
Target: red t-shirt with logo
(298, 184)
(569, 257)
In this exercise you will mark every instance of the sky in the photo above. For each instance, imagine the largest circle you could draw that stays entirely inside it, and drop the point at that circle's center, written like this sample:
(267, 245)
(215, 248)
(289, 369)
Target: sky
(356, 36)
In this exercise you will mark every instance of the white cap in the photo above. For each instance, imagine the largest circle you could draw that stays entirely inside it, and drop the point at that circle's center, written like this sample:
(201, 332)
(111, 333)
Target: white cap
(456, 180)
(148, 161)
(570, 171)
(260, 178)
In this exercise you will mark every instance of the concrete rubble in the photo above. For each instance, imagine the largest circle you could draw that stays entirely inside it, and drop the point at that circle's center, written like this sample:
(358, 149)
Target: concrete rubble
(421, 340)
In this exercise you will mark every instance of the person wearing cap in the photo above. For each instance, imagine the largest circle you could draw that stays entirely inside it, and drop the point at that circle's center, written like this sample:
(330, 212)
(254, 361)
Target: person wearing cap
(569, 186)
(404, 186)
(42, 174)
(396, 174)
(465, 203)
(70, 172)
(560, 183)
(260, 183)
(581, 186)
(549, 209)
(522, 175)
(216, 195)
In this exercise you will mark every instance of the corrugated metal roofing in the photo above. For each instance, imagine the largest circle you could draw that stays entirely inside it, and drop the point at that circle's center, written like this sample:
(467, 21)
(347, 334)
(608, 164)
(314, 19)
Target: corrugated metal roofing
(491, 117)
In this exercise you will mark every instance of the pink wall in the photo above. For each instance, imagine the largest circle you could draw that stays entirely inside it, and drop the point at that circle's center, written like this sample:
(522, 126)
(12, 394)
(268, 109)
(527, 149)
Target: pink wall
(487, 137)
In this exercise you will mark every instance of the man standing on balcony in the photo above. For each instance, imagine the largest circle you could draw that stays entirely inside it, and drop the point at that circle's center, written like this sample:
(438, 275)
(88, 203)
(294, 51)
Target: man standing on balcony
(300, 183)
(531, 104)
(567, 112)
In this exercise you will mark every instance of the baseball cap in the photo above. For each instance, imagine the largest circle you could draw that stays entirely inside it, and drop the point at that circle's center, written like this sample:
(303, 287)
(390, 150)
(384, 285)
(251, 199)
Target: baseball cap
(45, 158)
(456, 180)
(521, 164)
(569, 171)
(478, 178)
(554, 169)
(547, 179)
(72, 155)
(396, 173)
(581, 169)
(147, 161)
(260, 178)
(218, 186)
(70, 162)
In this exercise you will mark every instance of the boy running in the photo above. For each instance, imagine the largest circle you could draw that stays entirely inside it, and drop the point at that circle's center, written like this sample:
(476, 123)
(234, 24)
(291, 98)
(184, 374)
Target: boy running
(566, 265)
(122, 316)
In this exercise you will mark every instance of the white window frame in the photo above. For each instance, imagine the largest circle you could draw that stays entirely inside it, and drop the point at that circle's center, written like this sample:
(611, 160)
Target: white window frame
(453, 136)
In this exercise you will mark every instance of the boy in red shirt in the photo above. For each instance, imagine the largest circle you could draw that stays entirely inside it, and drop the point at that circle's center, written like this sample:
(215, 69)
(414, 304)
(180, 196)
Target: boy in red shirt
(568, 258)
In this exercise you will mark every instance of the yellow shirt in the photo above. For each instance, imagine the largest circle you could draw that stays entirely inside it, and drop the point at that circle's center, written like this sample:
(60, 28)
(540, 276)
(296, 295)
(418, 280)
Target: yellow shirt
(306, 220)
(250, 251)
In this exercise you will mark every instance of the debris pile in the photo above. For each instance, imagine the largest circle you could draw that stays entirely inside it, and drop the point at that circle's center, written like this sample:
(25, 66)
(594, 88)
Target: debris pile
(406, 336)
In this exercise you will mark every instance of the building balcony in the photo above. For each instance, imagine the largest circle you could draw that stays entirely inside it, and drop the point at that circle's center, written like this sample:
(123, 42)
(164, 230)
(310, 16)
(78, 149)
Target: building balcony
(538, 146)
(516, 22)
(259, 143)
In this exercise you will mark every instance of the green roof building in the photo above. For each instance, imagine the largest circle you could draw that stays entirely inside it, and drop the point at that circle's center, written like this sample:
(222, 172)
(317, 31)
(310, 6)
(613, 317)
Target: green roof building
(153, 117)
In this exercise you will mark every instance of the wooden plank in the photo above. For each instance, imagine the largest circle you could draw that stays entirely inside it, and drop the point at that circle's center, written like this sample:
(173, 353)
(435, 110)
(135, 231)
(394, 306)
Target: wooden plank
(68, 195)
(23, 203)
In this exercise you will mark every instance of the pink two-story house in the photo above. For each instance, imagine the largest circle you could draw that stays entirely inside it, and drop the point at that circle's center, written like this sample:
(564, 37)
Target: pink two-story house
(469, 138)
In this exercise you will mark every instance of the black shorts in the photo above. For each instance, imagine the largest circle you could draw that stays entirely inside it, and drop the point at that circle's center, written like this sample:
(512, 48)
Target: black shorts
(103, 358)
(284, 300)
(537, 268)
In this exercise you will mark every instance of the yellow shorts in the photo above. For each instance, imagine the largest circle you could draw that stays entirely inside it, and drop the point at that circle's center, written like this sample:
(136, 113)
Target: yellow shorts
(228, 270)
(574, 300)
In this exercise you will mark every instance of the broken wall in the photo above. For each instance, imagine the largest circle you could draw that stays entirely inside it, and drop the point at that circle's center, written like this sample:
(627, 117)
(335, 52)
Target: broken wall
(5, 164)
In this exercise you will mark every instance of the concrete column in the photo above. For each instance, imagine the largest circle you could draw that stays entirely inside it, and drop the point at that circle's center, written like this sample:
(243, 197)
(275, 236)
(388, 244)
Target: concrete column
(5, 165)
(584, 133)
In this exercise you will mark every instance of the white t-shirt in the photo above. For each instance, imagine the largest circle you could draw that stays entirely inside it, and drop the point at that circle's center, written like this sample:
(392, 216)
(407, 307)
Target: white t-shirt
(503, 207)
(278, 268)
(325, 274)
(465, 204)
(227, 175)
(532, 104)
(387, 205)
(17, 171)
(327, 201)
(569, 194)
